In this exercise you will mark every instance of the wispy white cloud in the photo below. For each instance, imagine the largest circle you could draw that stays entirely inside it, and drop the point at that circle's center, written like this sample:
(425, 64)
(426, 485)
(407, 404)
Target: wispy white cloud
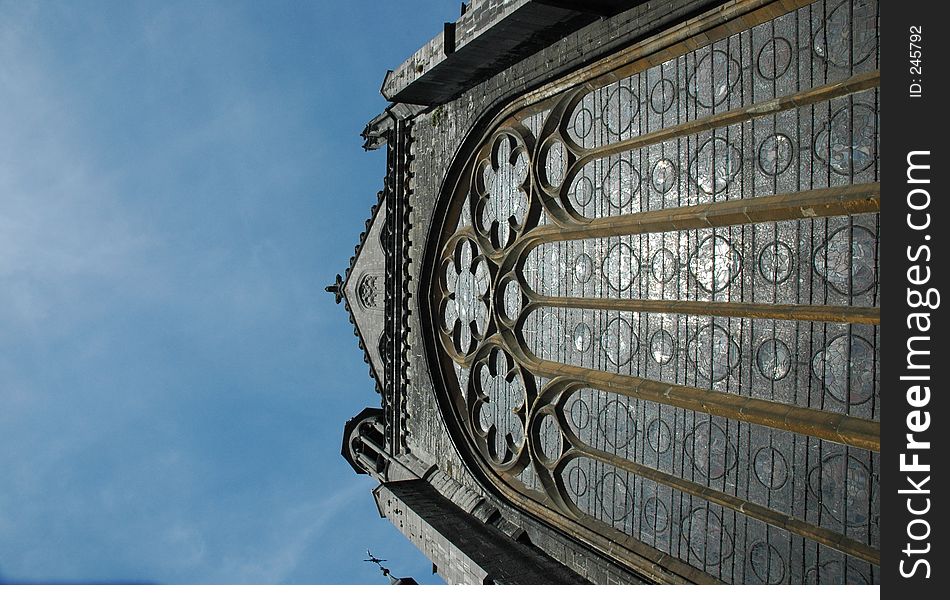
(166, 184)
(62, 228)
(295, 531)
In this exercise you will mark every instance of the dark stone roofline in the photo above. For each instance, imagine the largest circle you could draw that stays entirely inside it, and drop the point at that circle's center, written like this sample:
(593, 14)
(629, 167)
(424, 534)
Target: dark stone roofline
(392, 128)
(488, 38)
(395, 359)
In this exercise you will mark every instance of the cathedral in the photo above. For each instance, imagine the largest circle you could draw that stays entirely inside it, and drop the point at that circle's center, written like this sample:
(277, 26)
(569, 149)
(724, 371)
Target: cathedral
(619, 294)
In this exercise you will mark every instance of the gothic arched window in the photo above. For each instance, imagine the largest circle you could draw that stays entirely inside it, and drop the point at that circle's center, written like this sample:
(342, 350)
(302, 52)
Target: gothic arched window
(655, 299)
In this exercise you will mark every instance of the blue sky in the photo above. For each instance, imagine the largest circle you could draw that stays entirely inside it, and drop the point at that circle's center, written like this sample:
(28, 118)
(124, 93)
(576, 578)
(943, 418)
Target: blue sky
(178, 182)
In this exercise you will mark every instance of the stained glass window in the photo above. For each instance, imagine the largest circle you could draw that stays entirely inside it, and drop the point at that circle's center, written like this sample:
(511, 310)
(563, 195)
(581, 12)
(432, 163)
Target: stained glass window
(658, 294)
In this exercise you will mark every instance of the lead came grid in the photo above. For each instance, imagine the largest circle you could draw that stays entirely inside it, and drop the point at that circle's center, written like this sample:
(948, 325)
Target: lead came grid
(827, 366)
(838, 492)
(822, 43)
(830, 261)
(822, 145)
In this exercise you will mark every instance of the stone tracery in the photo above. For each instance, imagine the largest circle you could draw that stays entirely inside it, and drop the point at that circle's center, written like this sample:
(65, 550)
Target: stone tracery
(608, 352)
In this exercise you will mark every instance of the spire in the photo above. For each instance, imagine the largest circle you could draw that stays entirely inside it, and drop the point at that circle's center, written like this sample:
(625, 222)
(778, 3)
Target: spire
(387, 573)
(336, 288)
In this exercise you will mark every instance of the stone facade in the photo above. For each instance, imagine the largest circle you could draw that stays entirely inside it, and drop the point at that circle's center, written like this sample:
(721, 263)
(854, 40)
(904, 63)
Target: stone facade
(701, 179)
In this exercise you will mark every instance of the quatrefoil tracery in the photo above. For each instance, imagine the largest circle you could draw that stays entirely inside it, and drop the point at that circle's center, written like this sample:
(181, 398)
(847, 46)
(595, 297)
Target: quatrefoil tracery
(575, 426)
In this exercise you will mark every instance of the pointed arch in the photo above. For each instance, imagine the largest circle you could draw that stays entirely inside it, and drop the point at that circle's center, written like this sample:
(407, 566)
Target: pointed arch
(654, 299)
